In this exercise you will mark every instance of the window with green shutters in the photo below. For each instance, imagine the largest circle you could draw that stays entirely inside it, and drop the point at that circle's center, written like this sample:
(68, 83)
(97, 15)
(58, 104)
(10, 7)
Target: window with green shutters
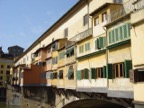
(104, 72)
(100, 43)
(119, 34)
(86, 74)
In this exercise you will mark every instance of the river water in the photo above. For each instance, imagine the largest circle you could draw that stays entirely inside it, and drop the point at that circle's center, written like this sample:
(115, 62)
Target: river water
(3, 105)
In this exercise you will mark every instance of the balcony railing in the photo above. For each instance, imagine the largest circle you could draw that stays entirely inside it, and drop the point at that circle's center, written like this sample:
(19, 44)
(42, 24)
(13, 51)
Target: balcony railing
(80, 36)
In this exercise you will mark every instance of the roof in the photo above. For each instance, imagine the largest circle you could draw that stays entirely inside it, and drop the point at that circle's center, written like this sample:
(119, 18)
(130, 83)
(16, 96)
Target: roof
(15, 46)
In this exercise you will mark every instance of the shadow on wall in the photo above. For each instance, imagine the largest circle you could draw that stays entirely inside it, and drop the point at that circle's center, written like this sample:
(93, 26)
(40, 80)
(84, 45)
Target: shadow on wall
(91, 103)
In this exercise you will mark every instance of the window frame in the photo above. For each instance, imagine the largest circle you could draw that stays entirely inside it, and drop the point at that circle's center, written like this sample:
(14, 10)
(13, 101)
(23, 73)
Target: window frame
(96, 21)
(118, 70)
(85, 19)
(104, 16)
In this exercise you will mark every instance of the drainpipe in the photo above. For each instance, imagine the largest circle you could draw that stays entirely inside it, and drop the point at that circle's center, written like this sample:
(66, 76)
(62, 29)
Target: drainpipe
(106, 53)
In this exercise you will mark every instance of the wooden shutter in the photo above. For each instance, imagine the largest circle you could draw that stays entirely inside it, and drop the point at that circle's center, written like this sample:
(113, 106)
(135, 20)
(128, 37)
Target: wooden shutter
(78, 75)
(127, 67)
(109, 71)
(125, 30)
(93, 73)
(116, 34)
(128, 30)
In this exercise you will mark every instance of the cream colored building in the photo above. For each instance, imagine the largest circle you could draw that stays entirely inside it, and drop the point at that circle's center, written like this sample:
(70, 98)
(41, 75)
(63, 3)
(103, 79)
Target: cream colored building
(101, 42)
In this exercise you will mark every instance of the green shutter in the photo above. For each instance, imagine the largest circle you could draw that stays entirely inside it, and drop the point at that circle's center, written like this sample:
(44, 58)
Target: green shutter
(127, 67)
(128, 29)
(125, 30)
(110, 37)
(101, 42)
(78, 75)
(98, 44)
(104, 72)
(109, 71)
(93, 73)
(116, 34)
(104, 42)
(113, 36)
(86, 74)
(121, 32)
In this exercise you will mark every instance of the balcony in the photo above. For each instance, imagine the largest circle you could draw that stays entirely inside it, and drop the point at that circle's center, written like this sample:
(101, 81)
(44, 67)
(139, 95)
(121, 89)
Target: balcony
(137, 16)
(81, 36)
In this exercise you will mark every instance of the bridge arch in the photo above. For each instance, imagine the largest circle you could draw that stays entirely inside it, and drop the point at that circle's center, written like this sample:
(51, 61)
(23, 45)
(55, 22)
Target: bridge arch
(92, 103)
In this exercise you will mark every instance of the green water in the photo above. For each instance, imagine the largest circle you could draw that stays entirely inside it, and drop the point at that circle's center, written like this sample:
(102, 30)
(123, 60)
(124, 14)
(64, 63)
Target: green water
(3, 105)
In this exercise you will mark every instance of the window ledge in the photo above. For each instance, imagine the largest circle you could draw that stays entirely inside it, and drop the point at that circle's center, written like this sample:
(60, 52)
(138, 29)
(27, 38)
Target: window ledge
(92, 54)
(119, 43)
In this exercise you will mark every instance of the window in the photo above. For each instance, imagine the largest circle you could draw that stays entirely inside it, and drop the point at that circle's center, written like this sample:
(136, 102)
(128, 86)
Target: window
(71, 72)
(119, 34)
(96, 21)
(48, 61)
(61, 55)
(85, 19)
(87, 46)
(81, 49)
(117, 1)
(49, 49)
(2, 66)
(1, 71)
(1, 78)
(66, 32)
(55, 75)
(83, 74)
(104, 17)
(54, 60)
(54, 46)
(99, 72)
(61, 74)
(0, 83)
(100, 42)
(70, 52)
(8, 66)
(7, 72)
(118, 70)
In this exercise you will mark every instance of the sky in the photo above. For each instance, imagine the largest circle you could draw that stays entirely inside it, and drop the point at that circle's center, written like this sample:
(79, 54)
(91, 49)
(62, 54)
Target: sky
(24, 21)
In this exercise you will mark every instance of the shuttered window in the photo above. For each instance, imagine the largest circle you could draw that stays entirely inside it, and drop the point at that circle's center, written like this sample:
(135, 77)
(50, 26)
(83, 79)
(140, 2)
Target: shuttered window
(61, 55)
(120, 33)
(81, 49)
(100, 43)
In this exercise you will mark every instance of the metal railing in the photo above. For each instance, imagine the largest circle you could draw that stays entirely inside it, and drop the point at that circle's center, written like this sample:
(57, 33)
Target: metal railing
(138, 4)
(80, 36)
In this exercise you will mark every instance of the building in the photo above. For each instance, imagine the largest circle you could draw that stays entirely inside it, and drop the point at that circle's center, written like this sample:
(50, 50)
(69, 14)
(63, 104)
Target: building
(95, 49)
(15, 50)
